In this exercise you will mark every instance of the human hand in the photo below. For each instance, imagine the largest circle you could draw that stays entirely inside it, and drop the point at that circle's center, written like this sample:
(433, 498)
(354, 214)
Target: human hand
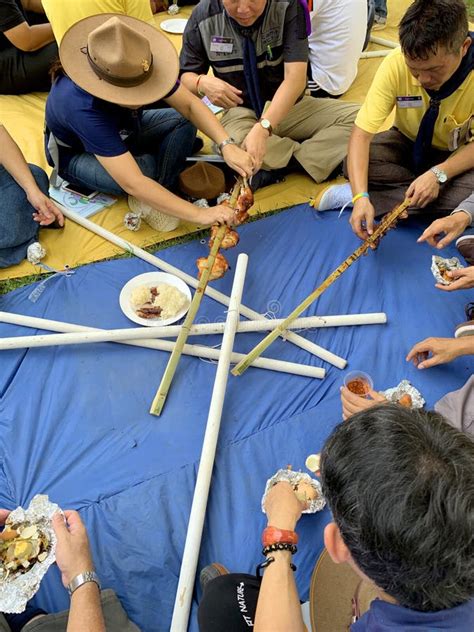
(423, 190)
(255, 143)
(46, 211)
(220, 92)
(238, 159)
(451, 227)
(73, 555)
(362, 218)
(462, 280)
(220, 214)
(4, 513)
(352, 403)
(282, 507)
(442, 350)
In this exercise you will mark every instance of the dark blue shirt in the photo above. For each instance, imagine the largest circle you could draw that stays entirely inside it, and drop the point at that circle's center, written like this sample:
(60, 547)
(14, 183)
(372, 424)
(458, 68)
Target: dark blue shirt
(386, 617)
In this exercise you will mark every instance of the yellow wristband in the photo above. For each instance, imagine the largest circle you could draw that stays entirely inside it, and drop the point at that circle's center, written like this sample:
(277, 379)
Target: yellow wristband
(360, 195)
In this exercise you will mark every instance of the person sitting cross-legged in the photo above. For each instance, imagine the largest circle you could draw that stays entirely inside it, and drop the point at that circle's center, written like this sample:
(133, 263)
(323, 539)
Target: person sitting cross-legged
(258, 52)
(400, 486)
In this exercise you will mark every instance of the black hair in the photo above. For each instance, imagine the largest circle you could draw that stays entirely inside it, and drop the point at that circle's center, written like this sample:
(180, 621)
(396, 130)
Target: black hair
(429, 25)
(400, 485)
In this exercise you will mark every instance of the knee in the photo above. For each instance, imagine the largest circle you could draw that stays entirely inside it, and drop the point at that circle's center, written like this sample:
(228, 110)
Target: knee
(40, 177)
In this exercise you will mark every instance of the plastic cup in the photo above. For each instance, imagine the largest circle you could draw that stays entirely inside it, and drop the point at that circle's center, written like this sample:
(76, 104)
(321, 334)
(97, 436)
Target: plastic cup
(359, 383)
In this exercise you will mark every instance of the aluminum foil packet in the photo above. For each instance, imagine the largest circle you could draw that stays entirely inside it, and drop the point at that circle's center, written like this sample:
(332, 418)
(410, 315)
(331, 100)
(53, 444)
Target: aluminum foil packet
(132, 221)
(17, 588)
(407, 393)
(201, 203)
(295, 478)
(173, 9)
(440, 266)
(35, 252)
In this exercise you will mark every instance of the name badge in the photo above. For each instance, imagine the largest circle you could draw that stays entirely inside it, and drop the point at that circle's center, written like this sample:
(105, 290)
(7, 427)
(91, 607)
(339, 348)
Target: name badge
(222, 44)
(409, 102)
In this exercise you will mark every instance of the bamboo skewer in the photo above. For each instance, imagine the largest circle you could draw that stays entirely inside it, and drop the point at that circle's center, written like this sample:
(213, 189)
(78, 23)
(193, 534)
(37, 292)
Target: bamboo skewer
(197, 351)
(171, 331)
(155, 261)
(187, 575)
(371, 241)
(166, 380)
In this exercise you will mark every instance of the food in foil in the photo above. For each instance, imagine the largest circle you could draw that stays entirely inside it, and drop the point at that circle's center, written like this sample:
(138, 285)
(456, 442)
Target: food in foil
(308, 490)
(132, 221)
(440, 268)
(201, 203)
(160, 301)
(405, 394)
(35, 252)
(27, 550)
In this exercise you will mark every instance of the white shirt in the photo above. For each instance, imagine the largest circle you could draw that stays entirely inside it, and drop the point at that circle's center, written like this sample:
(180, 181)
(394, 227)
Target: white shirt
(338, 29)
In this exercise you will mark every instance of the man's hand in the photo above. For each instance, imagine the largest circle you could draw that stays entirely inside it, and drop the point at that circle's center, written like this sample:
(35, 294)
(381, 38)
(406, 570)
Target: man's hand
(463, 279)
(4, 513)
(255, 143)
(451, 227)
(423, 190)
(442, 350)
(282, 507)
(46, 210)
(73, 554)
(352, 403)
(362, 218)
(238, 160)
(220, 92)
(220, 214)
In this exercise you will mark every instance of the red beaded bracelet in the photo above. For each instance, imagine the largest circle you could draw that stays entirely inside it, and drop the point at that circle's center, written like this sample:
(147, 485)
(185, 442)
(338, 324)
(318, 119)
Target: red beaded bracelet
(273, 535)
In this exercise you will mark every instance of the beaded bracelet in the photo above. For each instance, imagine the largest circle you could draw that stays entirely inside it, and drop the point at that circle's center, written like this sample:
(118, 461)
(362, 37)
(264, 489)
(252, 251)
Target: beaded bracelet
(267, 563)
(279, 546)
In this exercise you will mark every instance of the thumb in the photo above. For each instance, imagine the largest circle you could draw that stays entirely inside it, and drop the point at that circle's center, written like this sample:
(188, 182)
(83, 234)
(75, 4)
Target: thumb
(59, 525)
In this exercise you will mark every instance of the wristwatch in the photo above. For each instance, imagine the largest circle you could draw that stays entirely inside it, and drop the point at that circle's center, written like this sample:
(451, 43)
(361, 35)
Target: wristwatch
(441, 175)
(265, 123)
(227, 141)
(83, 578)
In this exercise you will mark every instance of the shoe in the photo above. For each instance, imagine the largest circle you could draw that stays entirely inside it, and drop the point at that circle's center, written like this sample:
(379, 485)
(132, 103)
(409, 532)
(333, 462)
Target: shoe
(380, 22)
(337, 196)
(264, 178)
(210, 572)
(464, 329)
(465, 246)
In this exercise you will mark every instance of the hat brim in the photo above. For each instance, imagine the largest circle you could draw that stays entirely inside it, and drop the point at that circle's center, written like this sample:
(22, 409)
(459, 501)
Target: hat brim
(333, 587)
(163, 74)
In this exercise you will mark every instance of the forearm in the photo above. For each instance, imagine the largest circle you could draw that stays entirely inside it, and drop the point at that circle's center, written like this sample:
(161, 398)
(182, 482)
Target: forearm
(278, 607)
(12, 159)
(35, 6)
(467, 206)
(284, 99)
(202, 118)
(358, 160)
(459, 162)
(464, 346)
(189, 81)
(85, 612)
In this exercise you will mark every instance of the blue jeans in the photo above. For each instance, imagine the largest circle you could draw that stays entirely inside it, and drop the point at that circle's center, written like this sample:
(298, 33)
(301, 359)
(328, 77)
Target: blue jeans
(17, 228)
(381, 8)
(160, 149)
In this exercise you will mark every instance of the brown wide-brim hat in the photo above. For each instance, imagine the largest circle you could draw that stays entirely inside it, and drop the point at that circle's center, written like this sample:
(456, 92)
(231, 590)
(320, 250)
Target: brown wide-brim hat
(333, 588)
(202, 180)
(161, 74)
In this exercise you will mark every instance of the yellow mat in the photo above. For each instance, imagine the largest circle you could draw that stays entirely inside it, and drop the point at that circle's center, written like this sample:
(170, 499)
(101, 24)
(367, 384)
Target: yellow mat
(23, 117)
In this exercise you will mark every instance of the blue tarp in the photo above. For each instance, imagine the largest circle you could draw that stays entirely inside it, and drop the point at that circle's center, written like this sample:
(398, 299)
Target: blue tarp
(74, 420)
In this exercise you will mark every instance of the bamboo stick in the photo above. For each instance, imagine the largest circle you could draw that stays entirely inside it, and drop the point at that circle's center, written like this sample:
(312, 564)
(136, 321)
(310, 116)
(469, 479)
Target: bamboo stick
(387, 222)
(165, 384)
(155, 261)
(152, 333)
(187, 575)
(197, 351)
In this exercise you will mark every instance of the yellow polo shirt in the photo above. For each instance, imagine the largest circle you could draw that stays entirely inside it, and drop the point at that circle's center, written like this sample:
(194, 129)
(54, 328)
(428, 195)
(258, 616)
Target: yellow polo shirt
(395, 86)
(64, 13)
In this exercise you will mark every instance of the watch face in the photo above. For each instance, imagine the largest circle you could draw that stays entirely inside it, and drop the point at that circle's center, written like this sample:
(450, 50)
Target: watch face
(265, 123)
(442, 177)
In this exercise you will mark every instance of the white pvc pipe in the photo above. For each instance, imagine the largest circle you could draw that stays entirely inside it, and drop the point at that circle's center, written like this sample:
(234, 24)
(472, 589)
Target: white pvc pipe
(297, 340)
(187, 575)
(375, 53)
(198, 351)
(381, 41)
(152, 333)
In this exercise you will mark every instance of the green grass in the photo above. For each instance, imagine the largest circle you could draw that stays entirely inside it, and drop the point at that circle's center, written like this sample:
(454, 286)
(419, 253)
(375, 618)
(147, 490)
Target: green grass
(13, 284)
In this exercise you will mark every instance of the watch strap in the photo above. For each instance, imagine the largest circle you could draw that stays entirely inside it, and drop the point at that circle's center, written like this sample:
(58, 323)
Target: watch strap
(227, 141)
(441, 175)
(83, 578)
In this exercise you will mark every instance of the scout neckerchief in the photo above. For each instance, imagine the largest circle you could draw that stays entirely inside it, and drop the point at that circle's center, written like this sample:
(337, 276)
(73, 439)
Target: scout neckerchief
(424, 137)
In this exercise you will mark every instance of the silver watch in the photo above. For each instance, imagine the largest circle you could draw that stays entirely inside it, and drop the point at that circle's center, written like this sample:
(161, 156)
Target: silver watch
(227, 141)
(441, 175)
(83, 578)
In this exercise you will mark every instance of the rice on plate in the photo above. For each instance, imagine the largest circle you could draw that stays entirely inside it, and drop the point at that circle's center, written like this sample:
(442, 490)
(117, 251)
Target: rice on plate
(157, 301)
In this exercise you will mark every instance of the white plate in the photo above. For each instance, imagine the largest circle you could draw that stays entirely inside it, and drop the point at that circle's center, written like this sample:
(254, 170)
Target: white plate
(176, 25)
(152, 279)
